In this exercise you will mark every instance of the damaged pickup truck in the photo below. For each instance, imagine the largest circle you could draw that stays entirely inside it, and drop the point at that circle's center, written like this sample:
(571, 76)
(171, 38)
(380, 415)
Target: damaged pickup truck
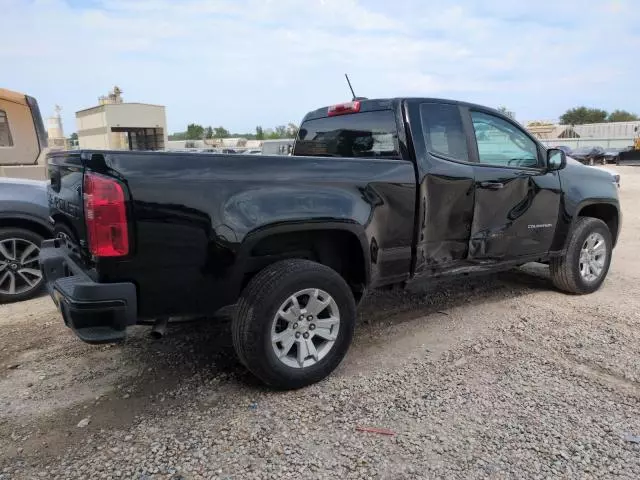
(377, 192)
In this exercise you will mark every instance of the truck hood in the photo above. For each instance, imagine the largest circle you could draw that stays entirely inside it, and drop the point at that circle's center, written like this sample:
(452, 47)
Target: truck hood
(577, 171)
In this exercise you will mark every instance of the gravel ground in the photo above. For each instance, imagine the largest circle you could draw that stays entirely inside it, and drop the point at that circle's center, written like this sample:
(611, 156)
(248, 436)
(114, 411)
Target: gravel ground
(487, 378)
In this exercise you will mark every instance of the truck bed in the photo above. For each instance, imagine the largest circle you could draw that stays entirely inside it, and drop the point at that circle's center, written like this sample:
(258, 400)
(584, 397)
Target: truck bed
(196, 220)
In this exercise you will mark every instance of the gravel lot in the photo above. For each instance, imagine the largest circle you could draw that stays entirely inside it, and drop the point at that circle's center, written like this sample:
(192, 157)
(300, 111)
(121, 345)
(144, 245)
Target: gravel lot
(488, 378)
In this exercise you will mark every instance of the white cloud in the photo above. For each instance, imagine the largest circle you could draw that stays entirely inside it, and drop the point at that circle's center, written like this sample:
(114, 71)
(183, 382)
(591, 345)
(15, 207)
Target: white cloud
(249, 62)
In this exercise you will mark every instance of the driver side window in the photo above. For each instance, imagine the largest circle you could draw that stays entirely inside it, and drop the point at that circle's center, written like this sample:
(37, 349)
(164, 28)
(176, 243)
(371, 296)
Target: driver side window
(502, 144)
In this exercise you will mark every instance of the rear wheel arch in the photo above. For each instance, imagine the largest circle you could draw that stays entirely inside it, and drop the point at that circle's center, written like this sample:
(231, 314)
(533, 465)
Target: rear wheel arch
(340, 246)
(26, 222)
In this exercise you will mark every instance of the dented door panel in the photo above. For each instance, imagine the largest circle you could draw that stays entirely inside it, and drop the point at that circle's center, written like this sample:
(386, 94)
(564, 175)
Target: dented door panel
(448, 200)
(444, 205)
(516, 213)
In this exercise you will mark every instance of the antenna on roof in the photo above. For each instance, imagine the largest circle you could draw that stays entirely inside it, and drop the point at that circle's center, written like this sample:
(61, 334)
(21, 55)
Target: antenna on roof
(350, 87)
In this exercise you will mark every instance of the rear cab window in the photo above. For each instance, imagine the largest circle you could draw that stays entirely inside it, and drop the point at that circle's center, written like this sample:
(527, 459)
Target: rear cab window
(366, 134)
(443, 131)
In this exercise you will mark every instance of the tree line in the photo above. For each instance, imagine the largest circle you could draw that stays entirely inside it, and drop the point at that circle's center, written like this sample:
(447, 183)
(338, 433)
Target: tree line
(582, 115)
(195, 131)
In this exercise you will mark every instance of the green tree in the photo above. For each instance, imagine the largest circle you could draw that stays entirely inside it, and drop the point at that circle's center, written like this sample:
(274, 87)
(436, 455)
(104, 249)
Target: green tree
(582, 115)
(195, 132)
(208, 132)
(622, 116)
(506, 112)
(292, 130)
(73, 139)
(281, 131)
(259, 133)
(178, 136)
(220, 132)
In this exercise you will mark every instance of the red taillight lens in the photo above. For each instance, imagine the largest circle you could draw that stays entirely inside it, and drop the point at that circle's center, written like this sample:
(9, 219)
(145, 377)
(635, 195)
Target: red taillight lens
(344, 108)
(105, 215)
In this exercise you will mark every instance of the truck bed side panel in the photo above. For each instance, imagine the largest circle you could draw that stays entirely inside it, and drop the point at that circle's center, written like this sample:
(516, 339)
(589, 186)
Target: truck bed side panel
(193, 212)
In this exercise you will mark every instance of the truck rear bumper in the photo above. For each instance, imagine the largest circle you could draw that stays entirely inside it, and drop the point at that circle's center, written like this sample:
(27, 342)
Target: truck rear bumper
(96, 312)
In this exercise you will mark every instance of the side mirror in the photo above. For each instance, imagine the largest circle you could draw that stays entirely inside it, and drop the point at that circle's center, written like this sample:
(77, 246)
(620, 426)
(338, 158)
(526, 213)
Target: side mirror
(556, 159)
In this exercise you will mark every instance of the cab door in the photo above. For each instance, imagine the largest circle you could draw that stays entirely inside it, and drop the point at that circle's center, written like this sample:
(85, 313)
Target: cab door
(517, 200)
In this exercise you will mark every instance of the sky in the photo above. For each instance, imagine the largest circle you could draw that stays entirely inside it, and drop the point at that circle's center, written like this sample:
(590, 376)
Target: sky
(243, 63)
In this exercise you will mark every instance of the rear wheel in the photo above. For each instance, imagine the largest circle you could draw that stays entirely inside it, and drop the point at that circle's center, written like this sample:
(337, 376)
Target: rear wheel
(294, 324)
(20, 275)
(586, 263)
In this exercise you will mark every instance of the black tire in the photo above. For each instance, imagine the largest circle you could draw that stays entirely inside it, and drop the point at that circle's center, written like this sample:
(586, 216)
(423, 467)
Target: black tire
(28, 236)
(259, 303)
(565, 271)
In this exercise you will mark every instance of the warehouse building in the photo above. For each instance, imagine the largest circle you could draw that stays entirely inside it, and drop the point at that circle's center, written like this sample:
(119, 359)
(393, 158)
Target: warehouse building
(606, 135)
(116, 125)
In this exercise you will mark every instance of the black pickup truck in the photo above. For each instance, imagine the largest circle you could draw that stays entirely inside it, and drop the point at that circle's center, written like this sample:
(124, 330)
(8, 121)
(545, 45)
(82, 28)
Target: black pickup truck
(377, 192)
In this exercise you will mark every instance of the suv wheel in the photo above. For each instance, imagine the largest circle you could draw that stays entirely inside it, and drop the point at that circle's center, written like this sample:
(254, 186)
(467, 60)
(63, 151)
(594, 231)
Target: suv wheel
(586, 263)
(20, 275)
(294, 324)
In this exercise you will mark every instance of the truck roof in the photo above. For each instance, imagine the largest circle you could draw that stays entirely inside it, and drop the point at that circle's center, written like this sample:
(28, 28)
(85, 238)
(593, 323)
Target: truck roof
(374, 104)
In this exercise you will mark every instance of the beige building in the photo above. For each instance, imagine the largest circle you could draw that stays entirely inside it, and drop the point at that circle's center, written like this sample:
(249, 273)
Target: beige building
(116, 125)
(547, 130)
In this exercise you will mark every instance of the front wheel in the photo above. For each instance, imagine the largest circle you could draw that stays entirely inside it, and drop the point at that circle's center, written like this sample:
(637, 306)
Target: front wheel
(586, 263)
(294, 324)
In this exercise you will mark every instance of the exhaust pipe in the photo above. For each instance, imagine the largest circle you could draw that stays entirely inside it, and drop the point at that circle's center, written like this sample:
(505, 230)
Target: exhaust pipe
(159, 328)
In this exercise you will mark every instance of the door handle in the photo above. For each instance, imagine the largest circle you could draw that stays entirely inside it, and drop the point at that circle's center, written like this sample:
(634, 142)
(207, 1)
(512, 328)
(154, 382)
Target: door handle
(492, 185)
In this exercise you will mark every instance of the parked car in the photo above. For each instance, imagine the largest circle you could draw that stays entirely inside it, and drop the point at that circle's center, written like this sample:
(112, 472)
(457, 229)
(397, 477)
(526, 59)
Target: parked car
(278, 147)
(612, 155)
(589, 155)
(24, 224)
(615, 176)
(296, 241)
(565, 149)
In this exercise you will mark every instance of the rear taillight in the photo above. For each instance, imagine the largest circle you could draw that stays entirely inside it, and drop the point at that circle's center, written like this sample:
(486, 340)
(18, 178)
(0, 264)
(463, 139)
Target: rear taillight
(344, 108)
(105, 216)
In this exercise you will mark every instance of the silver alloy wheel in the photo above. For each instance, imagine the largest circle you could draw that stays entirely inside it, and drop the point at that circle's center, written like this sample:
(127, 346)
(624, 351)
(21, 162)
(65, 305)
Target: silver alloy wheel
(305, 328)
(19, 266)
(593, 257)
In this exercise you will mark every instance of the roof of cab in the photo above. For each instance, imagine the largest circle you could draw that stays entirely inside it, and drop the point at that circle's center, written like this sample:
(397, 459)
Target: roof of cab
(370, 105)
(366, 105)
(12, 96)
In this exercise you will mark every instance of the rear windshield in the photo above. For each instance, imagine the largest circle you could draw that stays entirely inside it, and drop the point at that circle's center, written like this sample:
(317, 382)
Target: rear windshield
(367, 134)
